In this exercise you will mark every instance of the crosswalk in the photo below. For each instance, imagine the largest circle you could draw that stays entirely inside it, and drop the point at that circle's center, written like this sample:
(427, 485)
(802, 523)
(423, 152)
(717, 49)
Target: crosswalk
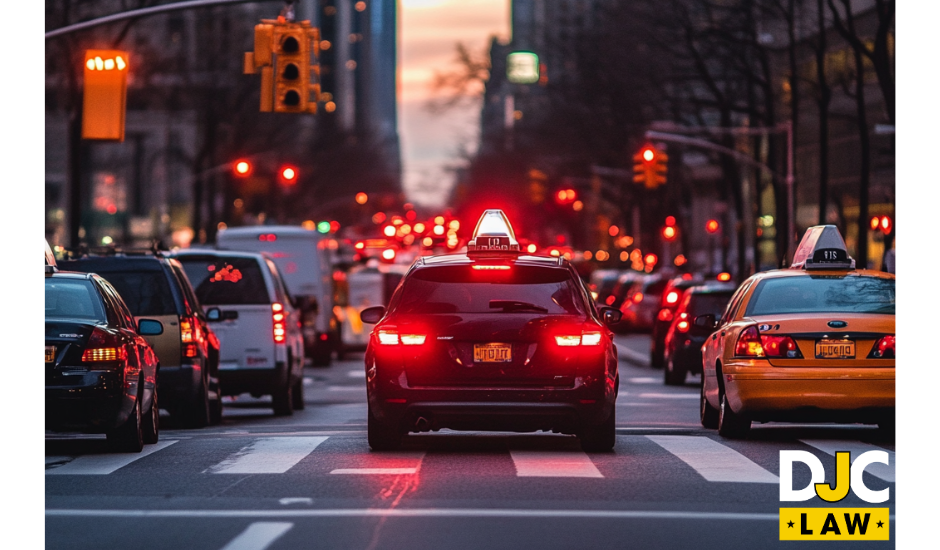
(707, 458)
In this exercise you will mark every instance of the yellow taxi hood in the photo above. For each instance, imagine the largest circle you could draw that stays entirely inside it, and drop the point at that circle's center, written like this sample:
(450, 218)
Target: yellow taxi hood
(819, 323)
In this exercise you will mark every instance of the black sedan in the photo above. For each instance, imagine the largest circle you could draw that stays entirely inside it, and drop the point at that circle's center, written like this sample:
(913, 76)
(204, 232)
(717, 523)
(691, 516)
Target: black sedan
(101, 375)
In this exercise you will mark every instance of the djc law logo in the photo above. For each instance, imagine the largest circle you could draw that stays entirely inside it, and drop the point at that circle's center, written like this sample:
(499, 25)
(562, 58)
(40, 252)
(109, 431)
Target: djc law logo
(832, 523)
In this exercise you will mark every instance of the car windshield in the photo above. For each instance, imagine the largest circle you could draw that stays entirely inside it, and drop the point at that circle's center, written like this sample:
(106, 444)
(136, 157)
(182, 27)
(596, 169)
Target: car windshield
(226, 281)
(73, 299)
(460, 289)
(823, 294)
(144, 292)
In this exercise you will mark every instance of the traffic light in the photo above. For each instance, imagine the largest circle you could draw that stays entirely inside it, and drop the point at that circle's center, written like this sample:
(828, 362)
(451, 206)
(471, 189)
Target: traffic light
(711, 226)
(287, 175)
(649, 167)
(286, 55)
(105, 95)
(884, 223)
(670, 231)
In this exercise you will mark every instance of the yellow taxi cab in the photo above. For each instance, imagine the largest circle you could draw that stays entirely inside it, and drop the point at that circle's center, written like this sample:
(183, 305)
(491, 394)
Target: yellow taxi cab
(811, 343)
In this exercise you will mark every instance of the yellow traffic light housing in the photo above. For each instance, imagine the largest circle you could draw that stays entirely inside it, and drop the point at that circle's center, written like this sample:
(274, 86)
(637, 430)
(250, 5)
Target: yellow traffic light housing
(105, 95)
(286, 55)
(650, 167)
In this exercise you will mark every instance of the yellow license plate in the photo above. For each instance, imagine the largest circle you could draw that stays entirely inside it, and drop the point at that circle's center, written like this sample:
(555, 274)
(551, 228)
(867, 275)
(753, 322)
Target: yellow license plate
(50, 354)
(835, 349)
(492, 353)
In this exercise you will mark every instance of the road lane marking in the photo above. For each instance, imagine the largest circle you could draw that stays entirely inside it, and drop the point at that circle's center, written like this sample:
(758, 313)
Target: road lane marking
(877, 469)
(295, 500)
(258, 536)
(668, 395)
(268, 455)
(99, 465)
(712, 460)
(553, 464)
(375, 471)
(645, 380)
(358, 373)
(349, 388)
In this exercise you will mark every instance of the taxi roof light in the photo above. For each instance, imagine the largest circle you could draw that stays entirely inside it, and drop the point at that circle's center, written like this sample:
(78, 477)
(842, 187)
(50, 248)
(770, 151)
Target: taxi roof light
(822, 247)
(493, 236)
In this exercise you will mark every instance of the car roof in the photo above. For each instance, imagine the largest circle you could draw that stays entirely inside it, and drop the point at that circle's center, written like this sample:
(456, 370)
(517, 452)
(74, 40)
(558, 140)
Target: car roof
(71, 275)
(110, 262)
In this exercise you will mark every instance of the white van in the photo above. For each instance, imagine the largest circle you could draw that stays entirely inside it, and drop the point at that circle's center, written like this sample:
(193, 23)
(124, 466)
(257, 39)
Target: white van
(303, 259)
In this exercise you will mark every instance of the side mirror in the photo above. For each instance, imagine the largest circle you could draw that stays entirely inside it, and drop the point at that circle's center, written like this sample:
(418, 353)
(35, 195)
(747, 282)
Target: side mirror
(705, 321)
(611, 316)
(149, 327)
(214, 314)
(372, 315)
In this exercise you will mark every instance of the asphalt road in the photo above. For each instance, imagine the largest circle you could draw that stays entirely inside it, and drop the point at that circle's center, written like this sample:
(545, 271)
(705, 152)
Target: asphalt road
(309, 480)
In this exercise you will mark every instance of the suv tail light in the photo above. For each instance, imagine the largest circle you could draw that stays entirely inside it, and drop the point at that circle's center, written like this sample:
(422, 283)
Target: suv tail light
(588, 337)
(390, 337)
(188, 338)
(751, 343)
(883, 348)
(279, 318)
(103, 347)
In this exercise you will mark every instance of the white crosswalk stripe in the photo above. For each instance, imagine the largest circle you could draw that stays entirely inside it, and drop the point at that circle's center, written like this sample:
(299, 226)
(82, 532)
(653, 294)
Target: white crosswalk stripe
(877, 469)
(268, 455)
(259, 535)
(553, 464)
(105, 464)
(712, 460)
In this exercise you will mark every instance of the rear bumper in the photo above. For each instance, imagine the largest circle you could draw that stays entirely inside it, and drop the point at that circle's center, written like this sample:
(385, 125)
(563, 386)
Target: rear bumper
(564, 410)
(102, 403)
(253, 381)
(179, 384)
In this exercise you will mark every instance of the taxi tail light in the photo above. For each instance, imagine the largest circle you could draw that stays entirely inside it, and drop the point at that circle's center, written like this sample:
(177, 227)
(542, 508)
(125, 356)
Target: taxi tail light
(279, 320)
(391, 337)
(103, 347)
(780, 346)
(665, 314)
(749, 343)
(188, 338)
(883, 348)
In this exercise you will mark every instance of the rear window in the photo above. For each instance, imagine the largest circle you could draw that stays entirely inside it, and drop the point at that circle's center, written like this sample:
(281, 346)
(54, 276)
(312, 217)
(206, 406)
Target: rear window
(703, 304)
(819, 294)
(144, 292)
(226, 281)
(73, 299)
(460, 289)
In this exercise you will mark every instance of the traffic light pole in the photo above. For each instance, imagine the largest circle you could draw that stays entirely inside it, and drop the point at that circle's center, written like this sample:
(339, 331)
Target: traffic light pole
(675, 136)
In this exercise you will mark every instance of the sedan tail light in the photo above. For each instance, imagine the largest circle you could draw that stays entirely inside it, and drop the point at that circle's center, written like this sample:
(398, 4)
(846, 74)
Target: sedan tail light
(588, 337)
(749, 343)
(390, 337)
(884, 348)
(103, 347)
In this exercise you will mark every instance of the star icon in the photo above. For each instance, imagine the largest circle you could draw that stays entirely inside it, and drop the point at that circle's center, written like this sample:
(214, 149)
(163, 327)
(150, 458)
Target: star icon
(790, 524)
(880, 524)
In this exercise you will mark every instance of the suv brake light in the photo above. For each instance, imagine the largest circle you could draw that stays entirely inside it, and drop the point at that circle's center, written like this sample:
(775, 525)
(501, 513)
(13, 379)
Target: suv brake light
(279, 318)
(587, 337)
(103, 347)
(188, 337)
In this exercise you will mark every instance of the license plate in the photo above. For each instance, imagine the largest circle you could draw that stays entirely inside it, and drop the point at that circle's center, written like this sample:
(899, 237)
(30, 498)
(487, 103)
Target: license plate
(492, 353)
(50, 354)
(835, 349)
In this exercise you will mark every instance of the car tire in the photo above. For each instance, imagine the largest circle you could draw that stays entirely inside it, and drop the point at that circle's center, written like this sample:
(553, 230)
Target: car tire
(150, 423)
(196, 413)
(382, 437)
(129, 437)
(602, 437)
(282, 400)
(673, 375)
(708, 415)
(298, 395)
(731, 424)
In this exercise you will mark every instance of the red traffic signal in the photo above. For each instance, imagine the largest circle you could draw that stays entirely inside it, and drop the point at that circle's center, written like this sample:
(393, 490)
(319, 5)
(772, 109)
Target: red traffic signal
(670, 232)
(565, 196)
(242, 168)
(884, 223)
(712, 226)
(288, 175)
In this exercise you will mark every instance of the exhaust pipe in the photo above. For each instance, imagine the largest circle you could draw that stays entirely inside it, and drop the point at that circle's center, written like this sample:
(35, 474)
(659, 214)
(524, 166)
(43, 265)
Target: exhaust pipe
(422, 424)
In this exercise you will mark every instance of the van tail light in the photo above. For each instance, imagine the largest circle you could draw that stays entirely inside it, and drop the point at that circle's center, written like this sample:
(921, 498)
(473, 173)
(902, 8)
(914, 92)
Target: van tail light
(279, 318)
(780, 346)
(588, 337)
(749, 343)
(672, 297)
(683, 324)
(665, 314)
(188, 338)
(103, 347)
(390, 337)
(883, 348)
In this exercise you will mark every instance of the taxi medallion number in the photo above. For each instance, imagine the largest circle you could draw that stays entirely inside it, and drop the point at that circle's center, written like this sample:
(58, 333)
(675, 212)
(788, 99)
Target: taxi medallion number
(835, 349)
(492, 353)
(50, 354)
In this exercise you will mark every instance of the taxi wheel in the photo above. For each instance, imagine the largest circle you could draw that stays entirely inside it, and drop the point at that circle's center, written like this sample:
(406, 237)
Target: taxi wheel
(673, 375)
(707, 414)
(382, 437)
(600, 438)
(129, 438)
(151, 421)
(731, 424)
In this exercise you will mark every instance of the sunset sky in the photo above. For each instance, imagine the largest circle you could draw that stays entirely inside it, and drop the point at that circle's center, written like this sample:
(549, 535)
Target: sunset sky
(429, 32)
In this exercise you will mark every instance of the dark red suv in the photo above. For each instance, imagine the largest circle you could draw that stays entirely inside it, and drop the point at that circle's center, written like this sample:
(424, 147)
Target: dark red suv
(491, 340)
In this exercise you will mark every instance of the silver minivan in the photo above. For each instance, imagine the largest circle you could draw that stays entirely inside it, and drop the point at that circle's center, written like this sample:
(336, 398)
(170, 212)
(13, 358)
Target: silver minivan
(261, 349)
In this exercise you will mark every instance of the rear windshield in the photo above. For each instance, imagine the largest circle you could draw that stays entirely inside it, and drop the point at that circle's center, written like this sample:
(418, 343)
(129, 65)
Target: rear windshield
(73, 299)
(460, 289)
(144, 292)
(703, 304)
(820, 294)
(226, 281)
